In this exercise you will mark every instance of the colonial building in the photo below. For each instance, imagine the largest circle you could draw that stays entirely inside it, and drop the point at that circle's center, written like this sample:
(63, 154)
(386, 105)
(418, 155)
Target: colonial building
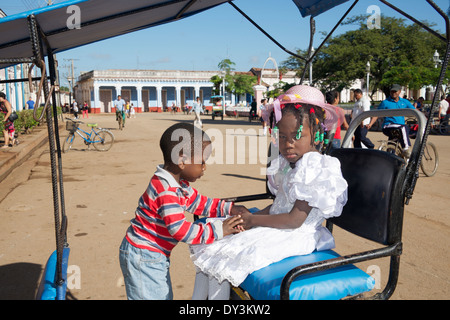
(155, 90)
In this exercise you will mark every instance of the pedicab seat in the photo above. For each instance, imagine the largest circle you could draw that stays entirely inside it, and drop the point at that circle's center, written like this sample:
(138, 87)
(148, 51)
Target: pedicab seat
(374, 211)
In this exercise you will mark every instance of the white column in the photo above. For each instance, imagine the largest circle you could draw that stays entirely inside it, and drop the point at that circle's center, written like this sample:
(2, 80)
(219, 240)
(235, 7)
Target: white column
(159, 96)
(118, 91)
(97, 98)
(178, 94)
(197, 92)
(139, 97)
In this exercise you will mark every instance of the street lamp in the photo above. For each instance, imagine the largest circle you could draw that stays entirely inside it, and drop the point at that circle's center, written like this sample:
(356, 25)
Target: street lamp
(436, 59)
(368, 74)
(311, 67)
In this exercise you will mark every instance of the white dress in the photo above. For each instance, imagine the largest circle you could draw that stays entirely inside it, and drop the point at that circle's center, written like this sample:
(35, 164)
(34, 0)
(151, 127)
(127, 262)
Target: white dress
(316, 179)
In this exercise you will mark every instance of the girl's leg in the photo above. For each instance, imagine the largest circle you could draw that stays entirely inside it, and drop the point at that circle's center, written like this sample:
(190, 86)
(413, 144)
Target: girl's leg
(218, 291)
(200, 286)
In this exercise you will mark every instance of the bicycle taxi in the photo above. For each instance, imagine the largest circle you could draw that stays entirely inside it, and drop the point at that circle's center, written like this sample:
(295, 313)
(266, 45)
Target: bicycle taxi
(380, 183)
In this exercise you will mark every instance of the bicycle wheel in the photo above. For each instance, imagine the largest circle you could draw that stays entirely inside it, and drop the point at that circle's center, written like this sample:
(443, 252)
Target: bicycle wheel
(394, 148)
(68, 143)
(430, 160)
(443, 127)
(103, 140)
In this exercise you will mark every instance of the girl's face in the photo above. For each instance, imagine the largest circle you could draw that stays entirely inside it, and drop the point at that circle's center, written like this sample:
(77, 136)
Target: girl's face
(290, 148)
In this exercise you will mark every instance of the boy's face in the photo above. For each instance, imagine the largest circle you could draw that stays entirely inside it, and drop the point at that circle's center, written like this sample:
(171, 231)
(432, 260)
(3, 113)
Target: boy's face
(194, 169)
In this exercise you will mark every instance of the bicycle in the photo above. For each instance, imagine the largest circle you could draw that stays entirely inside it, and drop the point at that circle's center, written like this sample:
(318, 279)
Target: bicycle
(444, 127)
(102, 139)
(430, 158)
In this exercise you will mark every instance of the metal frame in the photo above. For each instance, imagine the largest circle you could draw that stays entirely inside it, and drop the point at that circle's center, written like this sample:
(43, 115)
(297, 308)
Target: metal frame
(38, 41)
(406, 178)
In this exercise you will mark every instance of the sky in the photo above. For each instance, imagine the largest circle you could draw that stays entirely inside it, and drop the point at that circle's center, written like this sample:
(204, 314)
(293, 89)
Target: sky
(200, 42)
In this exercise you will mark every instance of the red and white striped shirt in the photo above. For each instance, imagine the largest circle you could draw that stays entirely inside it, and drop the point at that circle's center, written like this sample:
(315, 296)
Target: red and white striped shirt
(160, 223)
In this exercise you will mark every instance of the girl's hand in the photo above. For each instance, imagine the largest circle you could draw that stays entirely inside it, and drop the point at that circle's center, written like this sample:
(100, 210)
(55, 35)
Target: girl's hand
(231, 225)
(238, 210)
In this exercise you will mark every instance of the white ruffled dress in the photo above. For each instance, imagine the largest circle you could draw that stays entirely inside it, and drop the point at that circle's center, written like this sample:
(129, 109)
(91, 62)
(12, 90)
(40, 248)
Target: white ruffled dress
(316, 179)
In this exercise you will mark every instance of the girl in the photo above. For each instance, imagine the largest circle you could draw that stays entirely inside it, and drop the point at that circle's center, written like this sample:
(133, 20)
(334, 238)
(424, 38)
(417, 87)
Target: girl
(308, 188)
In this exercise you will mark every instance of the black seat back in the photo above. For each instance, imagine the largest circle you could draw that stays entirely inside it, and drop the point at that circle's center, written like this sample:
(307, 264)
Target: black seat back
(374, 209)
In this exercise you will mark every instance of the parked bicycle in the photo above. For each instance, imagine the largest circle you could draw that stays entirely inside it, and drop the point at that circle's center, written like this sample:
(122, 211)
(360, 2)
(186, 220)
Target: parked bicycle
(101, 139)
(430, 158)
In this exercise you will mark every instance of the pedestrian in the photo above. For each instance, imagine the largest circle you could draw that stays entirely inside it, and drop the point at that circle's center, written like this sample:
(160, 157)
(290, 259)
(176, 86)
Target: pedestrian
(132, 111)
(85, 109)
(119, 105)
(75, 109)
(264, 115)
(443, 108)
(197, 108)
(6, 109)
(332, 98)
(30, 104)
(362, 104)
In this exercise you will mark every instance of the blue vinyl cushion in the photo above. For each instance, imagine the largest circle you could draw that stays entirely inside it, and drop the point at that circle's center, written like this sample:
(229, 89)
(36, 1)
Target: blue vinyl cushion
(49, 289)
(333, 284)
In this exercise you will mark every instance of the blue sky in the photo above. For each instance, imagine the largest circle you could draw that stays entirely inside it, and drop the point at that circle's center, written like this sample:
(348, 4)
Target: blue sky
(202, 41)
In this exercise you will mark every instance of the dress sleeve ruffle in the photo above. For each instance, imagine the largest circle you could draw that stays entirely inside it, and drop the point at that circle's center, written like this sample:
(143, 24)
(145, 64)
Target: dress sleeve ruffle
(318, 180)
(275, 174)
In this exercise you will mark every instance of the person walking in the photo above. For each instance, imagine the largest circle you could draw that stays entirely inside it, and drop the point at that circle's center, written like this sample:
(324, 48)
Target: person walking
(197, 109)
(362, 104)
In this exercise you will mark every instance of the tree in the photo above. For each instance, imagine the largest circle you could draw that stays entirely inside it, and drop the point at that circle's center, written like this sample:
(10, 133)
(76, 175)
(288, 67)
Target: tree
(394, 52)
(237, 83)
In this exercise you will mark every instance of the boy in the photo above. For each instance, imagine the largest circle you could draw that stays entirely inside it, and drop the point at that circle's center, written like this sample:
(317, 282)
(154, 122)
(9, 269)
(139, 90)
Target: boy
(160, 222)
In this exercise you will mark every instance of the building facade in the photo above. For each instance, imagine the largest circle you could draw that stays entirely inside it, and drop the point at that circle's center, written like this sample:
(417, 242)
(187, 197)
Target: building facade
(156, 90)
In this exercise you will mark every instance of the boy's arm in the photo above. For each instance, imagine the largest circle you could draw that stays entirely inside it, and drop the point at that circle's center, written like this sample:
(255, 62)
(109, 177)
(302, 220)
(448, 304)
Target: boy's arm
(172, 213)
(203, 206)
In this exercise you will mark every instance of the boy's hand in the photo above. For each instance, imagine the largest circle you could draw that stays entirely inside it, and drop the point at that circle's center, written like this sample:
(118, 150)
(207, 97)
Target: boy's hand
(231, 225)
(245, 215)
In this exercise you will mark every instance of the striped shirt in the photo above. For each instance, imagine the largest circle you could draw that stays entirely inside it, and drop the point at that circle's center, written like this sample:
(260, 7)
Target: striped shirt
(159, 222)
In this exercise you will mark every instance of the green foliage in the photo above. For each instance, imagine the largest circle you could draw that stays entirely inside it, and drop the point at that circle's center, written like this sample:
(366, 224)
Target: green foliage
(398, 53)
(238, 83)
(25, 121)
(243, 83)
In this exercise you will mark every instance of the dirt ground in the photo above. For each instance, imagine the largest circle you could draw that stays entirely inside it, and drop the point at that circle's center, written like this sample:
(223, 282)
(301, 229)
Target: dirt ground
(102, 189)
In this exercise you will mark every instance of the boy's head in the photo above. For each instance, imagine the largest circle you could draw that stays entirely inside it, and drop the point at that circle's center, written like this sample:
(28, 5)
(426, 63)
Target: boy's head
(186, 148)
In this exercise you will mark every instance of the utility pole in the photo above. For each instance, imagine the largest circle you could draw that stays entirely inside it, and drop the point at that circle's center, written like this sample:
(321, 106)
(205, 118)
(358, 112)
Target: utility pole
(71, 78)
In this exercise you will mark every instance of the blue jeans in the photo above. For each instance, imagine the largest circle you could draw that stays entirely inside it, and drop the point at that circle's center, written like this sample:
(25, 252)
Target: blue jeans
(146, 273)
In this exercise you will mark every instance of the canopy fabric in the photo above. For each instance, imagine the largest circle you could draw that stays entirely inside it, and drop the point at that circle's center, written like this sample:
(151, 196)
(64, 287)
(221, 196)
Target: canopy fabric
(315, 7)
(100, 19)
(103, 19)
